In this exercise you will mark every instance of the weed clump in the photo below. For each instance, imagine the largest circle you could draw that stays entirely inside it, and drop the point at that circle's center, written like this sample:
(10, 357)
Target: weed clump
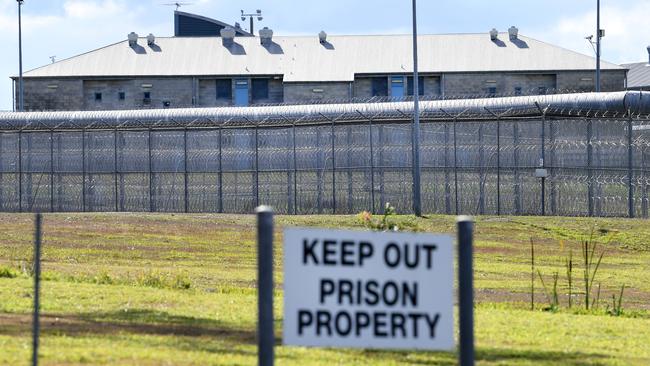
(7, 272)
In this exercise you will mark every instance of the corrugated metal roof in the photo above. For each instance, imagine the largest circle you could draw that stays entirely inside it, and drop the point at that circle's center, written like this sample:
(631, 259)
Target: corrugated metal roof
(639, 75)
(302, 59)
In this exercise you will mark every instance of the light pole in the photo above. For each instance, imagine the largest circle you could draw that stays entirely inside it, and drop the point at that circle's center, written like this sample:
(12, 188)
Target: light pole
(258, 14)
(21, 102)
(415, 143)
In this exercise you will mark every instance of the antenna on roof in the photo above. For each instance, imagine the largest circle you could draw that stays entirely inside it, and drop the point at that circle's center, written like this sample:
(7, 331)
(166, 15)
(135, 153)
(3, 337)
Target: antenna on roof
(177, 5)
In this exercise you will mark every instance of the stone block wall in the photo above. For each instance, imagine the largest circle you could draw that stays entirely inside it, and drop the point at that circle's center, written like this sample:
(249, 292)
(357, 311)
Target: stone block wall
(52, 94)
(297, 92)
(610, 80)
(182, 92)
(479, 84)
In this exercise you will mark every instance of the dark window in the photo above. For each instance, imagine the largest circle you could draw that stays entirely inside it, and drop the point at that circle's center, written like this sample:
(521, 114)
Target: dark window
(517, 90)
(147, 95)
(224, 89)
(409, 86)
(380, 87)
(121, 95)
(260, 89)
(492, 91)
(98, 97)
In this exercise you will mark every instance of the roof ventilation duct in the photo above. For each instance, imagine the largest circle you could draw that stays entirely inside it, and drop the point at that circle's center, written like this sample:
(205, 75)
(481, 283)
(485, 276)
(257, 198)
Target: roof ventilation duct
(322, 37)
(133, 38)
(494, 34)
(648, 55)
(227, 35)
(266, 35)
(513, 32)
(151, 39)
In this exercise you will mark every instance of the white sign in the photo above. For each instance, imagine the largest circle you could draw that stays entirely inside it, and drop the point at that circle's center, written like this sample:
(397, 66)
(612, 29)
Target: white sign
(367, 289)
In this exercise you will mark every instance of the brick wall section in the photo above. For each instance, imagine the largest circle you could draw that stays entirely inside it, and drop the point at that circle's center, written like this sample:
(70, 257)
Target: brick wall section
(363, 86)
(585, 80)
(70, 94)
(276, 93)
(42, 95)
(110, 90)
(208, 94)
(296, 92)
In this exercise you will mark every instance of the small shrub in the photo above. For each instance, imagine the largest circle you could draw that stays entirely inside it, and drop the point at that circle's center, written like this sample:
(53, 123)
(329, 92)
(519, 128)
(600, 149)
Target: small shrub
(182, 282)
(7, 272)
(151, 279)
(103, 279)
(385, 223)
(617, 304)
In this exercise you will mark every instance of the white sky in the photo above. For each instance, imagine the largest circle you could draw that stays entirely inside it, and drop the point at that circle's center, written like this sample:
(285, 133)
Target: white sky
(65, 28)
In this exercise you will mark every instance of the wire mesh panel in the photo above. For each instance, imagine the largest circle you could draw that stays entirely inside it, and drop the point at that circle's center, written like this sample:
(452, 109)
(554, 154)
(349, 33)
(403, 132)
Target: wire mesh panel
(352, 147)
(528, 165)
(203, 163)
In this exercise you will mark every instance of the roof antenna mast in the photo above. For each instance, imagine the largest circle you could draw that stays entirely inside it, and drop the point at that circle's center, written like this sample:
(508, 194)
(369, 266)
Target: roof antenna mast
(177, 4)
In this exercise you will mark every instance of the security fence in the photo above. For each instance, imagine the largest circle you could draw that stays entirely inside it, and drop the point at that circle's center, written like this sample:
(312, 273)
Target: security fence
(510, 156)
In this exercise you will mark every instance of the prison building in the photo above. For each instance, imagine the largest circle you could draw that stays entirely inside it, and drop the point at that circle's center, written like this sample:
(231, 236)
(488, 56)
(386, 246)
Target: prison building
(199, 69)
(638, 77)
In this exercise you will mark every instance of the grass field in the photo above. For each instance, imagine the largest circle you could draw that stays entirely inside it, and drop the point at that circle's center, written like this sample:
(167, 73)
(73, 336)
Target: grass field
(156, 289)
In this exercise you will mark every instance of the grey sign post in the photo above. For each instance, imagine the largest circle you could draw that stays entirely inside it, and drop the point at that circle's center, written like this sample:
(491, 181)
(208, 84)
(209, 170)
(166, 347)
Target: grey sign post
(265, 335)
(37, 279)
(466, 290)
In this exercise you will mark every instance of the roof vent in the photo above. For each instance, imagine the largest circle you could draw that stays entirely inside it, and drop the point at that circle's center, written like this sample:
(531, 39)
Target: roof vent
(648, 55)
(322, 37)
(151, 39)
(266, 35)
(513, 32)
(494, 34)
(227, 35)
(133, 38)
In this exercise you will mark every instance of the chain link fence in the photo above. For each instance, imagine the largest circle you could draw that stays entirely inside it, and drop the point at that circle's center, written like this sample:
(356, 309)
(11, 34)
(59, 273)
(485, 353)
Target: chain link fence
(513, 161)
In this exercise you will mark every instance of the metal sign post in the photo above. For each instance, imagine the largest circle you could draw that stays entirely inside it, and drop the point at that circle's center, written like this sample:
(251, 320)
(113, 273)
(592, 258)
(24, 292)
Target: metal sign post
(265, 335)
(37, 280)
(466, 290)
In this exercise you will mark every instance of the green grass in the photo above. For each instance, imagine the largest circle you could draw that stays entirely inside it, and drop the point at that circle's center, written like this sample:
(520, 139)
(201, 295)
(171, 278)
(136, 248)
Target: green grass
(156, 289)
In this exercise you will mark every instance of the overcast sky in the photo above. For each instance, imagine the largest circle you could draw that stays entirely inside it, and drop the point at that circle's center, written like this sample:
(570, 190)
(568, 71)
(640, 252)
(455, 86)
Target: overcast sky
(64, 28)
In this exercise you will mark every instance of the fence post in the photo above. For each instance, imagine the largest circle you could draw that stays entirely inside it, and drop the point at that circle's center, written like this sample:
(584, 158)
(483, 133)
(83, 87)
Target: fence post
(151, 203)
(51, 171)
(83, 170)
(447, 183)
(257, 167)
(37, 284)
(295, 172)
(382, 198)
(456, 165)
(590, 157)
(543, 164)
(20, 171)
(630, 167)
(265, 334)
(372, 170)
(185, 175)
(466, 290)
(220, 176)
(482, 177)
(333, 172)
(499, 166)
(115, 174)
(349, 167)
